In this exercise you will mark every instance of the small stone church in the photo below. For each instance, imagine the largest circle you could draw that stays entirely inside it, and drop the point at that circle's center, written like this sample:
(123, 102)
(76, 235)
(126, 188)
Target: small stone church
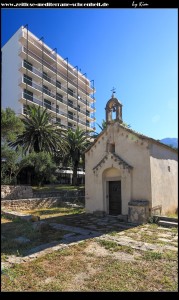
(129, 174)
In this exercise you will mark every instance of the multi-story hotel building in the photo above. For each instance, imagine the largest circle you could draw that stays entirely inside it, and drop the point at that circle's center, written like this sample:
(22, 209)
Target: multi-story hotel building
(33, 73)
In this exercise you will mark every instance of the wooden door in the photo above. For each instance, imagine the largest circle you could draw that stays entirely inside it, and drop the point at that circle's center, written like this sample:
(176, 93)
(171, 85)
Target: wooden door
(114, 197)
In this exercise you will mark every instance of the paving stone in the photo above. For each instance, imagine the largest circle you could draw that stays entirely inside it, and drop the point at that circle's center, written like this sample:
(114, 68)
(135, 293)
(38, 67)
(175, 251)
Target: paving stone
(125, 241)
(173, 248)
(22, 240)
(68, 235)
(101, 223)
(72, 229)
(164, 235)
(164, 228)
(164, 240)
(92, 226)
(41, 247)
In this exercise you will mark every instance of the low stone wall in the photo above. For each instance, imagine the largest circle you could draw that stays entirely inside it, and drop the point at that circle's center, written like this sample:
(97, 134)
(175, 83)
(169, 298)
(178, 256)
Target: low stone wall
(16, 192)
(28, 204)
(61, 194)
(138, 211)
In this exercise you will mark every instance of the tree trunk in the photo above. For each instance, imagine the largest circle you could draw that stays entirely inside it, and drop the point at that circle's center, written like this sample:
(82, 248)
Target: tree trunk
(29, 177)
(74, 180)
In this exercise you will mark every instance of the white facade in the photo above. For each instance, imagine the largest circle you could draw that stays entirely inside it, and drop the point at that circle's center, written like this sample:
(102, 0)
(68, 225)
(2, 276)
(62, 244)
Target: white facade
(127, 173)
(33, 73)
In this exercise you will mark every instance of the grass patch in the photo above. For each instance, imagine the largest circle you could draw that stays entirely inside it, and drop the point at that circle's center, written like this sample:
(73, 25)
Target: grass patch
(55, 211)
(151, 239)
(16, 228)
(72, 269)
(133, 276)
(75, 269)
(170, 255)
(108, 244)
(152, 255)
(113, 233)
(174, 230)
(113, 246)
(56, 188)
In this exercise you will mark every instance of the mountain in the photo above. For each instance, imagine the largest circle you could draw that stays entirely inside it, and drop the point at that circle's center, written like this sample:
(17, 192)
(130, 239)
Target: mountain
(170, 141)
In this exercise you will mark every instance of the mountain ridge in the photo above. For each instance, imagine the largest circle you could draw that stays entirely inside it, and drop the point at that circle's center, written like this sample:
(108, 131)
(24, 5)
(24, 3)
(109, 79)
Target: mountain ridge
(170, 141)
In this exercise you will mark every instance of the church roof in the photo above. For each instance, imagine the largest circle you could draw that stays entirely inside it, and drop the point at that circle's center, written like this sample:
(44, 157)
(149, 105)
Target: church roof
(142, 136)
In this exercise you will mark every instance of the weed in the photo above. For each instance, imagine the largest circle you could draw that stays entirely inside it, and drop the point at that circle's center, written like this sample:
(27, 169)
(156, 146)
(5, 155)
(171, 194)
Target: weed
(153, 219)
(108, 244)
(152, 255)
(113, 233)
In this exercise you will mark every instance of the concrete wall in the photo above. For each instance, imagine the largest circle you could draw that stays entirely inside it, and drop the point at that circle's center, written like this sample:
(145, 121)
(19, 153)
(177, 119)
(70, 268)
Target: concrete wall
(10, 73)
(164, 178)
(136, 184)
(16, 192)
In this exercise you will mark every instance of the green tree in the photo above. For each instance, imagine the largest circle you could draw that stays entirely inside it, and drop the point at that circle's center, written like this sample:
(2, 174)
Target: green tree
(39, 133)
(43, 167)
(11, 125)
(8, 165)
(77, 141)
(11, 164)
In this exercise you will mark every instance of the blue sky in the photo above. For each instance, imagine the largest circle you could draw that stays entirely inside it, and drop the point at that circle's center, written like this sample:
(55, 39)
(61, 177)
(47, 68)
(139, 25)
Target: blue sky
(134, 50)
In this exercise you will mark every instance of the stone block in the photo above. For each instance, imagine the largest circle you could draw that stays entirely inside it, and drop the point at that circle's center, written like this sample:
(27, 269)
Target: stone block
(99, 213)
(41, 226)
(138, 211)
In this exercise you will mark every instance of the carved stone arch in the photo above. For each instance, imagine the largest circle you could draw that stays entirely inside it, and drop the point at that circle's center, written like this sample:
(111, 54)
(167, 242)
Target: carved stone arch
(113, 105)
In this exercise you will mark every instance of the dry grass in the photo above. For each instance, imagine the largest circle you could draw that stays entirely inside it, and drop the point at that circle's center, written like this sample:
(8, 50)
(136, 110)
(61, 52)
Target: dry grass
(91, 265)
(73, 269)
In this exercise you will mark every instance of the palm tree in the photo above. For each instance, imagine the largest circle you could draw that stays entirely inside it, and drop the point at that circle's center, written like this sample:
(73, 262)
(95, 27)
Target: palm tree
(103, 125)
(39, 134)
(77, 141)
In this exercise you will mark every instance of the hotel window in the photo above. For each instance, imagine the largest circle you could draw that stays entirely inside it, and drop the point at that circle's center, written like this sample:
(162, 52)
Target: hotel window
(28, 95)
(59, 97)
(70, 92)
(28, 65)
(27, 80)
(70, 115)
(70, 103)
(47, 104)
(46, 90)
(58, 84)
(46, 77)
(70, 125)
